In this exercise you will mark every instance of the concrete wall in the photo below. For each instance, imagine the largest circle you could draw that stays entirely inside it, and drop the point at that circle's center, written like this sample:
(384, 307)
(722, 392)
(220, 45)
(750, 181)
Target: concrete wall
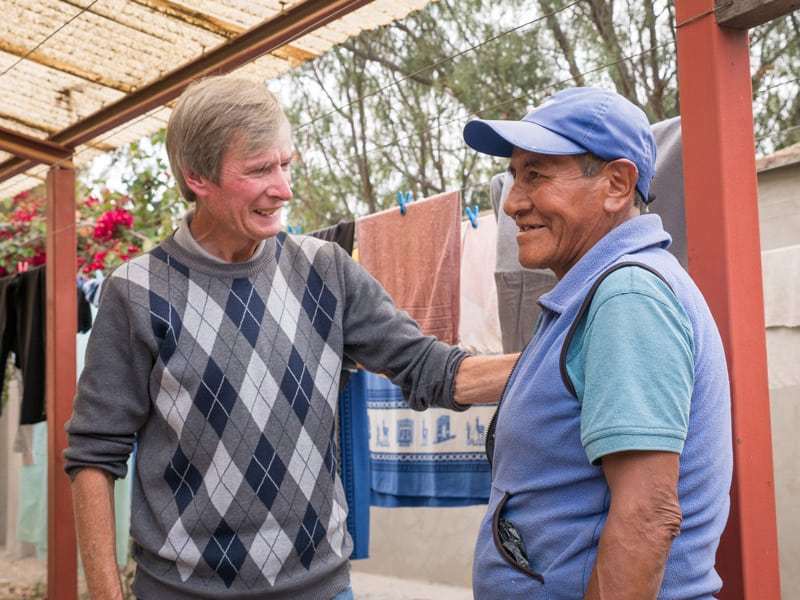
(779, 206)
(430, 544)
(785, 417)
(779, 217)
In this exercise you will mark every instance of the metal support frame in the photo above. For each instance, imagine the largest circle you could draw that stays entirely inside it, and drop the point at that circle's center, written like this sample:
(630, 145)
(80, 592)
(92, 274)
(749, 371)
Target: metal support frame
(61, 315)
(724, 258)
(267, 37)
(725, 261)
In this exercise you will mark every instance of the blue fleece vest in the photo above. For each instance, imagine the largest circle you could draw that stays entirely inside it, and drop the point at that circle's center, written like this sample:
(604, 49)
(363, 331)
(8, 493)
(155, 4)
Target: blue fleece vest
(543, 481)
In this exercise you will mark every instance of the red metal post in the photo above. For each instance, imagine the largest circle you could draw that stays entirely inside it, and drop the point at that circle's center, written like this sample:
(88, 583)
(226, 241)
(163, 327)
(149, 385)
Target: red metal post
(62, 326)
(725, 260)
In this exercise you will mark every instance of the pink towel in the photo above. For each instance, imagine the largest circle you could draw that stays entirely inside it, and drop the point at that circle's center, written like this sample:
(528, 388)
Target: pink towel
(416, 257)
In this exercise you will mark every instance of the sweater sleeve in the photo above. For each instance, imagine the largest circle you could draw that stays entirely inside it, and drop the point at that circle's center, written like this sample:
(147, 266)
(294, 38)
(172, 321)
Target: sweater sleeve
(386, 340)
(112, 400)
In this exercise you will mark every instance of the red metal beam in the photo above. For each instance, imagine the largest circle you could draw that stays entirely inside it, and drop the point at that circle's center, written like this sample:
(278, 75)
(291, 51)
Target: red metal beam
(271, 35)
(61, 314)
(725, 260)
(33, 148)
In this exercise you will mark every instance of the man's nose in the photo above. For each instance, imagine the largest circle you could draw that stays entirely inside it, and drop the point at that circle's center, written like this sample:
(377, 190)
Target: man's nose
(512, 204)
(281, 185)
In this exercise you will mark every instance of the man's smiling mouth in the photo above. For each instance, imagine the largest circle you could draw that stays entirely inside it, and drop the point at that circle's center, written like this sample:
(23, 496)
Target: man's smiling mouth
(266, 212)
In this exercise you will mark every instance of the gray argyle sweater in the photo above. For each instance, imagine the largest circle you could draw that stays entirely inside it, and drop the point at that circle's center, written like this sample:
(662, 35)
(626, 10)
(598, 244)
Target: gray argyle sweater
(227, 376)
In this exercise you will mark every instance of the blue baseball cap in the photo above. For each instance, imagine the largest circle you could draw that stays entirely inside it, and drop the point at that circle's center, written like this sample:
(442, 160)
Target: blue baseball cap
(575, 121)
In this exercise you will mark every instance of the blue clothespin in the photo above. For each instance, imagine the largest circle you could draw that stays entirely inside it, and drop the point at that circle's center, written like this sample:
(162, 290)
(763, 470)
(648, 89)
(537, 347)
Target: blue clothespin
(472, 215)
(294, 229)
(403, 202)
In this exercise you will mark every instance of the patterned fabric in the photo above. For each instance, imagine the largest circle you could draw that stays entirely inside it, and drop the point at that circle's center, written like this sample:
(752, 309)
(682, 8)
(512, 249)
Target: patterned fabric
(236, 490)
(221, 395)
(434, 458)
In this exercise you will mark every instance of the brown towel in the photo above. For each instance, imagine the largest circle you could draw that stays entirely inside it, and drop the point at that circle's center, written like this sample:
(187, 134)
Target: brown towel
(416, 257)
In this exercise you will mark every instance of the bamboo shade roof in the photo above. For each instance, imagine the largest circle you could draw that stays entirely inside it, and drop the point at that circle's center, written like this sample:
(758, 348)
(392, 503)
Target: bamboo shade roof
(83, 77)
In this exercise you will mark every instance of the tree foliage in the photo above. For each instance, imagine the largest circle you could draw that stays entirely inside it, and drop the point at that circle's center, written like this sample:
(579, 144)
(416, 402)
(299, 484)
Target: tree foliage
(384, 111)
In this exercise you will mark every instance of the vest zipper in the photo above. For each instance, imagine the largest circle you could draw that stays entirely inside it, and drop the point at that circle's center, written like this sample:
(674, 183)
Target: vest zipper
(488, 441)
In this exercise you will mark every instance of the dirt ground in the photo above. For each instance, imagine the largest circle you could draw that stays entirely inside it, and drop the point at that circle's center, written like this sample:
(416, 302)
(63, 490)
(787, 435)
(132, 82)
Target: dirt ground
(21, 578)
(25, 579)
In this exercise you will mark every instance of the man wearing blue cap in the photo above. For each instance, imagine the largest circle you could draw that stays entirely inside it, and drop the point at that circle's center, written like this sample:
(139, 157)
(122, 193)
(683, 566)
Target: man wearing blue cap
(611, 449)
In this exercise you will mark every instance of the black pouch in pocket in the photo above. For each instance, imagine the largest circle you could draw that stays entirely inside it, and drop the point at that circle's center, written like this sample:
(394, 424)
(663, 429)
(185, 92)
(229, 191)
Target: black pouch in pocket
(511, 540)
(510, 544)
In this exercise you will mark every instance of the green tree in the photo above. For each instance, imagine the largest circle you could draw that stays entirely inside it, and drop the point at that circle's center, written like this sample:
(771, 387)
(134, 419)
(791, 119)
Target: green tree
(383, 112)
(775, 48)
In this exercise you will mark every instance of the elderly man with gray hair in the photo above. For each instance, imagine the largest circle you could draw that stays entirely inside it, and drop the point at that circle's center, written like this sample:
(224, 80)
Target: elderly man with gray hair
(218, 355)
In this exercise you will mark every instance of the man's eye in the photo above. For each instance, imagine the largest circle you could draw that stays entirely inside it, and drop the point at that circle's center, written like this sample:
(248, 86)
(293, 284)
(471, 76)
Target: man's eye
(532, 175)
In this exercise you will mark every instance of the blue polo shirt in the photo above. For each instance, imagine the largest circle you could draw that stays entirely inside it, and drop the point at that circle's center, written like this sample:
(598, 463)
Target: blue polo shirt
(636, 330)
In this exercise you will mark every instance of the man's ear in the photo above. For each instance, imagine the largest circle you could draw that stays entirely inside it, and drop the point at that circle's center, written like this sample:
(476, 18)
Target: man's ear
(197, 183)
(622, 175)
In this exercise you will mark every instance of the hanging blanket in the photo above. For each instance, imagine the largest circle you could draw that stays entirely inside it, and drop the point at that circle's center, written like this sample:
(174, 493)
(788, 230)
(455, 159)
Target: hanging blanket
(430, 458)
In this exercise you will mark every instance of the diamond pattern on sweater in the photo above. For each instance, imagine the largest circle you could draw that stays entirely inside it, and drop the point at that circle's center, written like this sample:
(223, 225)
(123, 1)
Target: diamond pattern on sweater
(258, 390)
(283, 306)
(174, 402)
(166, 325)
(274, 547)
(202, 317)
(225, 553)
(222, 480)
(180, 545)
(265, 472)
(249, 408)
(309, 536)
(337, 527)
(297, 385)
(319, 304)
(216, 397)
(245, 309)
(183, 478)
(306, 464)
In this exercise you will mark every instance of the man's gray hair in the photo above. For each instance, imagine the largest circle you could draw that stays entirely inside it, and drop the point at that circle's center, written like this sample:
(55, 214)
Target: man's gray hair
(211, 114)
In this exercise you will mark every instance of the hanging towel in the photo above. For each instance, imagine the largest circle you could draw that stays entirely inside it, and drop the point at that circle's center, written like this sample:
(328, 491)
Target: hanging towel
(22, 333)
(430, 458)
(479, 327)
(416, 258)
(781, 281)
(354, 460)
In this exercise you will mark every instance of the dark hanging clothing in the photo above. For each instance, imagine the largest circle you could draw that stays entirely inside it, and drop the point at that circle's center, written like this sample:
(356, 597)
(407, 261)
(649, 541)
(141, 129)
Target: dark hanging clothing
(84, 312)
(343, 233)
(22, 303)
